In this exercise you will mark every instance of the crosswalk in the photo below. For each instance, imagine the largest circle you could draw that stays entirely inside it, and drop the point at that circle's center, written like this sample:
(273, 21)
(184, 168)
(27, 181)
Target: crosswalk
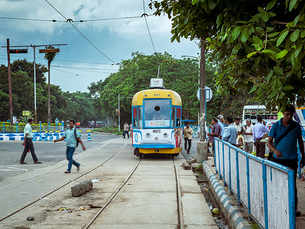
(12, 168)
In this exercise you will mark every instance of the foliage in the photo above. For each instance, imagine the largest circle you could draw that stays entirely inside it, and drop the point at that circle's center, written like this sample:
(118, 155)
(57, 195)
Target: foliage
(112, 130)
(258, 45)
(134, 75)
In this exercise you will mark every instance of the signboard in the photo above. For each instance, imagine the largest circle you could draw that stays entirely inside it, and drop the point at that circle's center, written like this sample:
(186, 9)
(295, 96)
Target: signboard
(208, 93)
(26, 113)
(156, 83)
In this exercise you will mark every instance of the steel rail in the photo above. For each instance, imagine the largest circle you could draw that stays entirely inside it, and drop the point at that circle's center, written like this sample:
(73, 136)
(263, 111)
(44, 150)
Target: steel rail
(179, 200)
(58, 188)
(113, 195)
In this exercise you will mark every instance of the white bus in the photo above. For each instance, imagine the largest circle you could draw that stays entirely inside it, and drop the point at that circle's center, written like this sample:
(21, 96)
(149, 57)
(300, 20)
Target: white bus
(252, 111)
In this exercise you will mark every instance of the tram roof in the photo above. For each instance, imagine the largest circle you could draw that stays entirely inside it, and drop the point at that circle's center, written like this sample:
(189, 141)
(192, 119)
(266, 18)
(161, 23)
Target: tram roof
(138, 98)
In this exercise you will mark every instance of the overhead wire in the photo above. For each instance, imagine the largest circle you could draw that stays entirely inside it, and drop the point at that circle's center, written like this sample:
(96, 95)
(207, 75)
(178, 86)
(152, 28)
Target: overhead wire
(82, 34)
(148, 30)
(75, 21)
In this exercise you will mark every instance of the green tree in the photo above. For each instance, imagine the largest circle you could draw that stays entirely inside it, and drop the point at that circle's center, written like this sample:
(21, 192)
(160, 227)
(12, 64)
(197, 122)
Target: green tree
(257, 44)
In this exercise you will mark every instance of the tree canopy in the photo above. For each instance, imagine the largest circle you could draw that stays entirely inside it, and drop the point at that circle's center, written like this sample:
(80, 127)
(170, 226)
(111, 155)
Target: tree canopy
(258, 46)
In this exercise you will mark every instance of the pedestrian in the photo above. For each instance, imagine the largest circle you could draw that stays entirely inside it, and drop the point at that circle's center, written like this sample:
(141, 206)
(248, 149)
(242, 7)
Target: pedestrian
(248, 136)
(238, 127)
(188, 133)
(72, 137)
(230, 133)
(260, 131)
(222, 124)
(28, 143)
(284, 136)
(126, 130)
(215, 131)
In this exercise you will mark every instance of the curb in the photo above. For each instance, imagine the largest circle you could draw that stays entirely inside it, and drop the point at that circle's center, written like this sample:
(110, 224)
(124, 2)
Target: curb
(232, 213)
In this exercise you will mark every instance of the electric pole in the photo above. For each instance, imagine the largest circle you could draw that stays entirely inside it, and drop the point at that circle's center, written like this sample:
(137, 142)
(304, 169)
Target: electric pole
(202, 90)
(9, 79)
(9, 68)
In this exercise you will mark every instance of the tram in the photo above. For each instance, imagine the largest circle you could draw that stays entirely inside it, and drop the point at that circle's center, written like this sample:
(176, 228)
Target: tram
(156, 120)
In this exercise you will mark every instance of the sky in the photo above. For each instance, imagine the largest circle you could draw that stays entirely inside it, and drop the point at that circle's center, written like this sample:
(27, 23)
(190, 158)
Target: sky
(97, 50)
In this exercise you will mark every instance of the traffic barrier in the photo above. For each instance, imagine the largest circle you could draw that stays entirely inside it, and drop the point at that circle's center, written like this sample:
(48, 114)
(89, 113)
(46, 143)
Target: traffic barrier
(265, 188)
(89, 136)
(5, 137)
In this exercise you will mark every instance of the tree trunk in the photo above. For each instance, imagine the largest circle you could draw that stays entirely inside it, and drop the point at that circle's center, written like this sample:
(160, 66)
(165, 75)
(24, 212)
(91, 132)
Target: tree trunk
(49, 93)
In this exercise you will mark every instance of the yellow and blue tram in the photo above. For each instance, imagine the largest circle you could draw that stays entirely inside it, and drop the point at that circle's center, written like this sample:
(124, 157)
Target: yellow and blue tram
(156, 120)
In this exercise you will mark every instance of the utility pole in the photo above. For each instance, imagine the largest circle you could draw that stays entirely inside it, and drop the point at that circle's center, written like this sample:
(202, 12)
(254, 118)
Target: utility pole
(119, 113)
(9, 79)
(35, 104)
(34, 52)
(202, 90)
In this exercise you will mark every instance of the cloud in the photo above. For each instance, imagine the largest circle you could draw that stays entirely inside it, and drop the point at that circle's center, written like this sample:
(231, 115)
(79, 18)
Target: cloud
(82, 9)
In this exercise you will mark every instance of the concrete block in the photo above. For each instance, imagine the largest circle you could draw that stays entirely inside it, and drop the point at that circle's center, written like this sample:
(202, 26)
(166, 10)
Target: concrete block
(81, 188)
(202, 151)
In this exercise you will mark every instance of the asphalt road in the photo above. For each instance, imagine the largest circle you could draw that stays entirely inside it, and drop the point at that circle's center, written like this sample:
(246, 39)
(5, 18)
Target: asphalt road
(47, 152)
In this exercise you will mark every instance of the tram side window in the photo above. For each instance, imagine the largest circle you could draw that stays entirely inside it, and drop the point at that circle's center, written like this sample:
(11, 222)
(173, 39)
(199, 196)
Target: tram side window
(137, 118)
(173, 117)
(178, 114)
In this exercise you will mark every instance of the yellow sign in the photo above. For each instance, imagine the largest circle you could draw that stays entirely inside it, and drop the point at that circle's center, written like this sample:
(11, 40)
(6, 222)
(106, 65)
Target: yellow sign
(26, 113)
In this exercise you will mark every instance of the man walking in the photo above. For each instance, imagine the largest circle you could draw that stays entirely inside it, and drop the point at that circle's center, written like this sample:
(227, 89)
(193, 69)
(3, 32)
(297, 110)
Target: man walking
(126, 130)
(28, 143)
(283, 138)
(72, 137)
(188, 133)
(230, 133)
(260, 131)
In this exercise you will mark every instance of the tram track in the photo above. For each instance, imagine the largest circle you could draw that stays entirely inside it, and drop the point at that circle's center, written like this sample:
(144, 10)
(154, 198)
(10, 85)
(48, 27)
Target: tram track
(179, 198)
(58, 188)
(113, 195)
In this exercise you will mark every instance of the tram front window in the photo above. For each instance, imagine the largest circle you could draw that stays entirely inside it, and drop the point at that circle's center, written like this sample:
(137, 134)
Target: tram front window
(157, 113)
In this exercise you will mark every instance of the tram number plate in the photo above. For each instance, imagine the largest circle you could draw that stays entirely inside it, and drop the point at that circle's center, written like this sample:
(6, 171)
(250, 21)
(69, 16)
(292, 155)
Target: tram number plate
(156, 131)
(156, 150)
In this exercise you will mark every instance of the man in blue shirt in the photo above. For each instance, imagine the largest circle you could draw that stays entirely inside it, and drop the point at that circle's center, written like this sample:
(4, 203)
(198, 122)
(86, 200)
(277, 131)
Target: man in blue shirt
(230, 133)
(72, 136)
(221, 122)
(283, 138)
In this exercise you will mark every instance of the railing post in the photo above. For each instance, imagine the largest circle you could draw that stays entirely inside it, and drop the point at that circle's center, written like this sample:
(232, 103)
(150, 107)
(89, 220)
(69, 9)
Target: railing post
(248, 185)
(265, 194)
(223, 163)
(237, 176)
(3, 127)
(291, 199)
(220, 175)
(40, 126)
(230, 179)
(214, 148)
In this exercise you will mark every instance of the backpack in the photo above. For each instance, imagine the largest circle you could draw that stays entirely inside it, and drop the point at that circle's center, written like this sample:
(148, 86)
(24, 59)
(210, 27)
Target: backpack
(77, 142)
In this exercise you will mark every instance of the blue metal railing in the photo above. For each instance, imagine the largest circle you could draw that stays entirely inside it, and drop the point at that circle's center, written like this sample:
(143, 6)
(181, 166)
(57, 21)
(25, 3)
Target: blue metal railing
(265, 188)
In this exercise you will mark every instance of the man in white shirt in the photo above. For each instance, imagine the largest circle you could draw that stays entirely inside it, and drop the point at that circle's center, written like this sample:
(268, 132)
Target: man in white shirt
(248, 136)
(28, 143)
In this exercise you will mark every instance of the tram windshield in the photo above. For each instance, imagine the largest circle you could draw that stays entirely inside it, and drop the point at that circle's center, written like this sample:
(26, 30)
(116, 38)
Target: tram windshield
(157, 113)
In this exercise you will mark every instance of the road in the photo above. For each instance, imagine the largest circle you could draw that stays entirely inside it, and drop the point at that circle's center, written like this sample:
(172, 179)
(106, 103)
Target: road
(47, 152)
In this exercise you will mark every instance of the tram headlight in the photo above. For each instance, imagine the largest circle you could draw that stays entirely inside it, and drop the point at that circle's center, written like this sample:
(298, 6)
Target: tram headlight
(147, 135)
(165, 135)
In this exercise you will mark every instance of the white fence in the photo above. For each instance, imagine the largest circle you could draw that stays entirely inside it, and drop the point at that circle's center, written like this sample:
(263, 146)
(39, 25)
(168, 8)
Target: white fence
(265, 188)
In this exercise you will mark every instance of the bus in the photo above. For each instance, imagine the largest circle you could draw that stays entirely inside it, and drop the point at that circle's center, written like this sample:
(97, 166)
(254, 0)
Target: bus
(252, 111)
(156, 120)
